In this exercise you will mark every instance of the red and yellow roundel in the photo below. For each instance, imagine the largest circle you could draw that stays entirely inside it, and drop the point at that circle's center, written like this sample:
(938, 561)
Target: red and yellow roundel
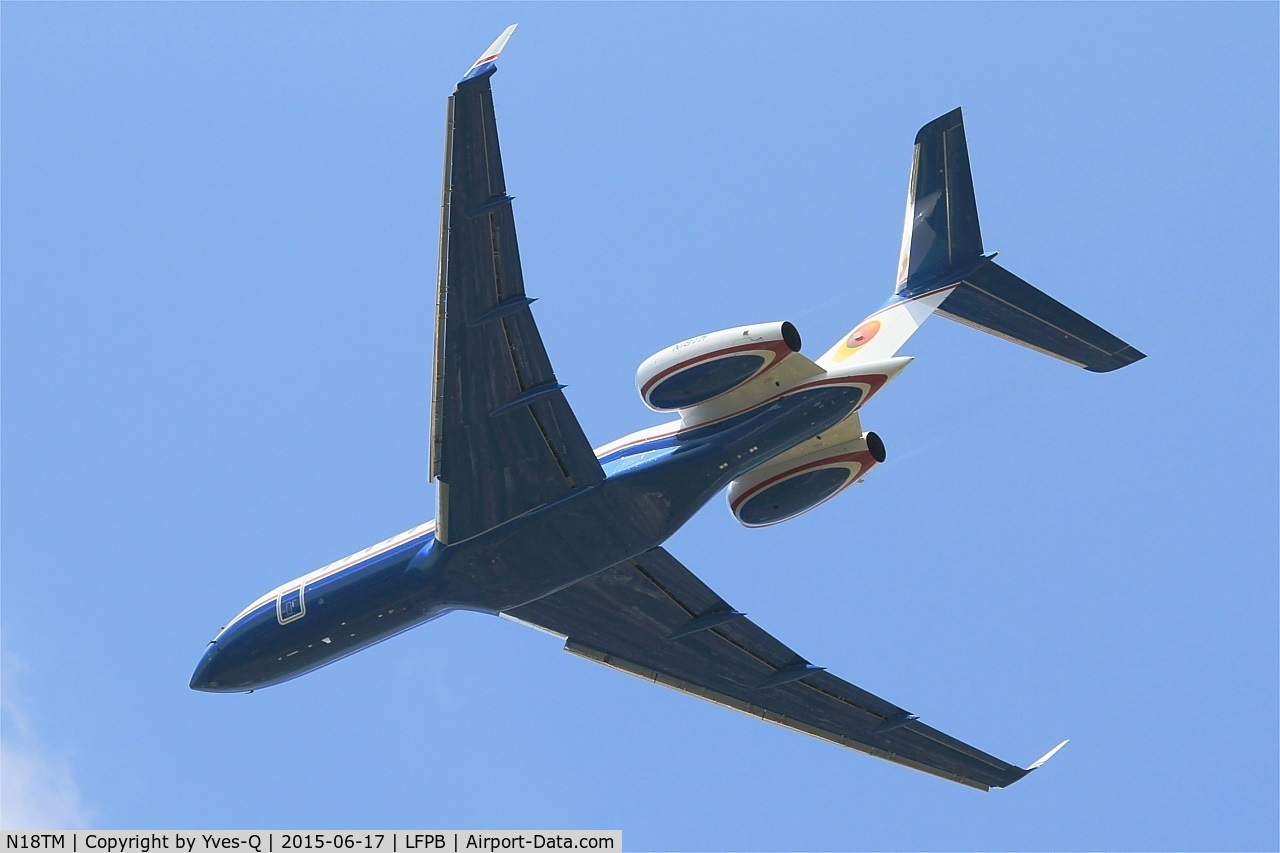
(862, 334)
(857, 339)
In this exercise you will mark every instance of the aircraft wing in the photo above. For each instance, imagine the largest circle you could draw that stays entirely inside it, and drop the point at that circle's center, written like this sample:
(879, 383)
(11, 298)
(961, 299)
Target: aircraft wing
(503, 438)
(652, 617)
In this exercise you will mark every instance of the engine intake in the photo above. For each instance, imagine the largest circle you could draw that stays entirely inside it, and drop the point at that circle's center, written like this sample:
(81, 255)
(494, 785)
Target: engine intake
(781, 490)
(702, 368)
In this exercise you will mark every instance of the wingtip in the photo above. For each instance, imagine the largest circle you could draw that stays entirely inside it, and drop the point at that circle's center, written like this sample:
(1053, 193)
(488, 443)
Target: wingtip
(488, 60)
(1050, 754)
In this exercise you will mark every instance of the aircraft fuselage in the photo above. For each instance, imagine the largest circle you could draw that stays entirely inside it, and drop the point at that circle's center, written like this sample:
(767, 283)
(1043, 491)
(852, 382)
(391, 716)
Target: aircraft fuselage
(654, 484)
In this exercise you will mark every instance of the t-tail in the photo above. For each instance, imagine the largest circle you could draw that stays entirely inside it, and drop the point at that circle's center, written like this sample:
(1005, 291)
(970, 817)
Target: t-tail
(943, 268)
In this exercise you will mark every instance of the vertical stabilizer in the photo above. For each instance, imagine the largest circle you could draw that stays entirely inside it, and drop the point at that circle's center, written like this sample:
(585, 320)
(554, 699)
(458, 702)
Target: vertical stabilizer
(941, 241)
(940, 230)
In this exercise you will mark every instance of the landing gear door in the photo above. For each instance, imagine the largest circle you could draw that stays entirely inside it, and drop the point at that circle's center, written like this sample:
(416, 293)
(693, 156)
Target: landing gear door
(290, 604)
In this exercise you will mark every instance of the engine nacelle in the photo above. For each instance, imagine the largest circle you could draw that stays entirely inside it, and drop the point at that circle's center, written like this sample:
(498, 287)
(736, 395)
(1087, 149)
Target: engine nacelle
(785, 488)
(701, 368)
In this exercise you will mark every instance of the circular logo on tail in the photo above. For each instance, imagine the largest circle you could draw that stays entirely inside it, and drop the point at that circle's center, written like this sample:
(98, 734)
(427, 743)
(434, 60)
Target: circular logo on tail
(862, 335)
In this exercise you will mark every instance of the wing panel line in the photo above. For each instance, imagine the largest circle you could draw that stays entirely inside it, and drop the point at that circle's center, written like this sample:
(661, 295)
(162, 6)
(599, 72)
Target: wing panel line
(731, 641)
(660, 586)
(546, 438)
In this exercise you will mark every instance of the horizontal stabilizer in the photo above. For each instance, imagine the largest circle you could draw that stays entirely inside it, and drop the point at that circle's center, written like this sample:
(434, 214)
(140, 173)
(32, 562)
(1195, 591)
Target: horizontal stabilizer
(996, 301)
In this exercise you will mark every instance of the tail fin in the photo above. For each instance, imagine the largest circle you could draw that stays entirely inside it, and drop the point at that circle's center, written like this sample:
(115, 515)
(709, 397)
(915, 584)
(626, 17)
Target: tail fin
(941, 230)
(942, 268)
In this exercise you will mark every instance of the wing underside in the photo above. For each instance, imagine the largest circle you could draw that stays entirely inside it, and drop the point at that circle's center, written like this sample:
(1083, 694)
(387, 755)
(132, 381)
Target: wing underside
(652, 617)
(503, 437)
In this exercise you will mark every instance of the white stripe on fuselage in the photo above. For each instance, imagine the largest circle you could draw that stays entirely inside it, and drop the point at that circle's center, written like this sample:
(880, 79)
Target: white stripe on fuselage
(339, 565)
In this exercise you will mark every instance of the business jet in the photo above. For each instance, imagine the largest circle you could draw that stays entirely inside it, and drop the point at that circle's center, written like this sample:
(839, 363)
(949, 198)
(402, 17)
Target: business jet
(536, 526)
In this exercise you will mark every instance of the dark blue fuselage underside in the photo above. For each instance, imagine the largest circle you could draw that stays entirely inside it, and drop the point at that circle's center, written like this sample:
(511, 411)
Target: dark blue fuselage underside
(653, 488)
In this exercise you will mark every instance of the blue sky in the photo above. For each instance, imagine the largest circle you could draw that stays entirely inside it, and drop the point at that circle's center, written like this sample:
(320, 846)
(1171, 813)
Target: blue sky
(219, 246)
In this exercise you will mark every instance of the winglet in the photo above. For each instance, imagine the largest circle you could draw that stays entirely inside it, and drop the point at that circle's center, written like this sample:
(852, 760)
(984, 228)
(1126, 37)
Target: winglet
(487, 61)
(1050, 754)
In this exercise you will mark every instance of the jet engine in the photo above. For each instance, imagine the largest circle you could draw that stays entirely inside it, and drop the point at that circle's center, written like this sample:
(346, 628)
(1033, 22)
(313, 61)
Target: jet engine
(786, 487)
(701, 368)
